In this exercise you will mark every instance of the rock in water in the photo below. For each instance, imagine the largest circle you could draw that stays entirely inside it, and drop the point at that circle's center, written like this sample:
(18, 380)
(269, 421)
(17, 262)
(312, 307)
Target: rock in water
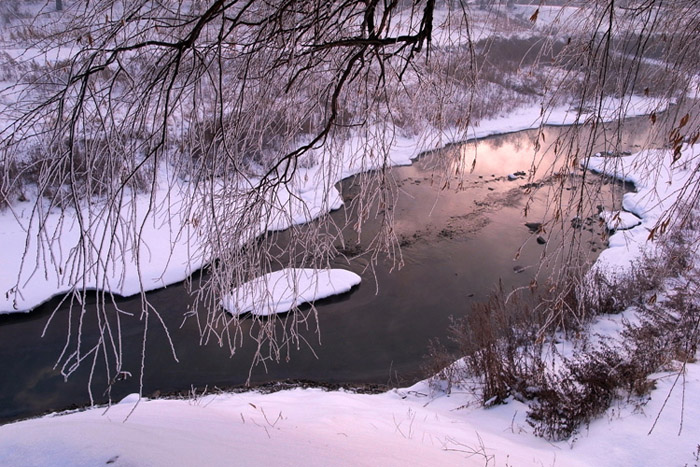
(534, 227)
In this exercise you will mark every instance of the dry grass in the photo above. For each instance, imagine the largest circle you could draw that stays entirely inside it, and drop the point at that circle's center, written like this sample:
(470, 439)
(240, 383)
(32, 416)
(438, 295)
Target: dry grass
(506, 351)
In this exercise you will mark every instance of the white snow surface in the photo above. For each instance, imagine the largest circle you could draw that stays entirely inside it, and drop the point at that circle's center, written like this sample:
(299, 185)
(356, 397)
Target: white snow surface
(410, 426)
(619, 220)
(280, 291)
(164, 247)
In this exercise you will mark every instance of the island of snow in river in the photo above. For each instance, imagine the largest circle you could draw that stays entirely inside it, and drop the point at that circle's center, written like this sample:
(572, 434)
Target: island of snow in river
(280, 291)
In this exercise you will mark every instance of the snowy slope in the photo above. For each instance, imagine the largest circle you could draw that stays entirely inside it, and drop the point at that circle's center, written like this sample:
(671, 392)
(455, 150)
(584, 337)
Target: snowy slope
(313, 427)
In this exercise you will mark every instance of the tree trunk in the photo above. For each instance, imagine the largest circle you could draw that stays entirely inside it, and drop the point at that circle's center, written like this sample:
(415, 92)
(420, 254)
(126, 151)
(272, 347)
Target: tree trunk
(59, 5)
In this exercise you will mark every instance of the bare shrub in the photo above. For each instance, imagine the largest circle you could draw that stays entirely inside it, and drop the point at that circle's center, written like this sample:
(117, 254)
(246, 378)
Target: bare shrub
(441, 365)
(9, 10)
(491, 338)
(606, 293)
(584, 386)
(500, 346)
(10, 188)
(576, 394)
(673, 256)
(666, 330)
(63, 171)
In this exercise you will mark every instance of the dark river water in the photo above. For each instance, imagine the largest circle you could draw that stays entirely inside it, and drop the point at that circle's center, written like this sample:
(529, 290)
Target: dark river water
(456, 245)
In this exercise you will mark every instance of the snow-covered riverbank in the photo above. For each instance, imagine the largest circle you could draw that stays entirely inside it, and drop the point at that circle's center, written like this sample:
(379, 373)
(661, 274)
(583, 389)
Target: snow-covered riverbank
(659, 182)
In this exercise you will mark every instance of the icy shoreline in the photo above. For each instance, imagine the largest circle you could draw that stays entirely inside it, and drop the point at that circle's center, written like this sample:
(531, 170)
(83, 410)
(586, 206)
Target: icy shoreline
(658, 184)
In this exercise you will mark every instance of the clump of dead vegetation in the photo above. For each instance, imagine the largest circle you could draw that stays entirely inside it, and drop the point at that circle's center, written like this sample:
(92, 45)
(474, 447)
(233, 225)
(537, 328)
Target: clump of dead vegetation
(507, 349)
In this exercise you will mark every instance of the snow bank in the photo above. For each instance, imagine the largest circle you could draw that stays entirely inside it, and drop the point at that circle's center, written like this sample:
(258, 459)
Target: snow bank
(312, 427)
(297, 427)
(149, 242)
(280, 291)
(38, 264)
(619, 220)
(658, 184)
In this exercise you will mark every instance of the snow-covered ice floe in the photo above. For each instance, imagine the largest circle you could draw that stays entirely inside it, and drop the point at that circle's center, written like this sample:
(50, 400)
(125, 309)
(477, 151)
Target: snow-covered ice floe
(281, 291)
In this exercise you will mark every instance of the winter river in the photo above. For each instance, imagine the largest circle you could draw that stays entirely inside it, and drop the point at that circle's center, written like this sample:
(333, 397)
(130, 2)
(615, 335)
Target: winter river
(456, 244)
